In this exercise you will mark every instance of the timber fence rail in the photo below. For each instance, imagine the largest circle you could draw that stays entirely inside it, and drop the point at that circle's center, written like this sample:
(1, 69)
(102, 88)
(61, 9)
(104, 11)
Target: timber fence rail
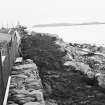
(8, 54)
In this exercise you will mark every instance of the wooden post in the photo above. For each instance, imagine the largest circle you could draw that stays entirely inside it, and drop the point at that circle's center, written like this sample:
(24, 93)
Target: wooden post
(9, 62)
(2, 91)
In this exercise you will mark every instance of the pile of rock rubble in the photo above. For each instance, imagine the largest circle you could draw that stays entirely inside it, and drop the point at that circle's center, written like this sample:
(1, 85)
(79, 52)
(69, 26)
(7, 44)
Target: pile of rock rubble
(25, 86)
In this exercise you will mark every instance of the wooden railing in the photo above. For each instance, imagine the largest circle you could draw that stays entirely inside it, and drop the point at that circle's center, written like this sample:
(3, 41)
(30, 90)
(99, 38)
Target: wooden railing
(8, 54)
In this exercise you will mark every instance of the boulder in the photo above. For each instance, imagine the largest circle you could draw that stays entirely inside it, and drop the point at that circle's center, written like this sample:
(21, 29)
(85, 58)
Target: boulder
(101, 79)
(33, 103)
(51, 102)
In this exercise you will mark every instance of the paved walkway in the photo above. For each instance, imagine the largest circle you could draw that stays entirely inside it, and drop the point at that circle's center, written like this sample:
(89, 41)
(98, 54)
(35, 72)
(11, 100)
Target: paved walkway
(25, 87)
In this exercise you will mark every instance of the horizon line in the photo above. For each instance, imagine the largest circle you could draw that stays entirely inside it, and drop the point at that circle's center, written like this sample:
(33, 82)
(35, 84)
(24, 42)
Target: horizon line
(68, 24)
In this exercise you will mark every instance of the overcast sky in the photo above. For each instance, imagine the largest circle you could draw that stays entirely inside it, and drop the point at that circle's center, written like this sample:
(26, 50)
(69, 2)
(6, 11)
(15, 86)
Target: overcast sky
(31, 12)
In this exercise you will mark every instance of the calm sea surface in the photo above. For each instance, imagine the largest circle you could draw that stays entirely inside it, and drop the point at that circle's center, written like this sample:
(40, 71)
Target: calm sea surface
(94, 34)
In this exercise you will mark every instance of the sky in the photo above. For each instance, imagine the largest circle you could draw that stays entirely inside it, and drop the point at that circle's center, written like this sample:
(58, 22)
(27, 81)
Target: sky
(32, 12)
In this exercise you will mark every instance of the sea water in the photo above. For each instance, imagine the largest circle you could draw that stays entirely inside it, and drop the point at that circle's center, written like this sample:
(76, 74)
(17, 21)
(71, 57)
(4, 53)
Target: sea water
(93, 34)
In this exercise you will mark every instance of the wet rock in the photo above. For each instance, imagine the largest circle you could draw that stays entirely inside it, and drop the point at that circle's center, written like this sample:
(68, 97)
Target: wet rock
(70, 63)
(29, 80)
(51, 102)
(21, 76)
(19, 95)
(38, 94)
(19, 60)
(28, 99)
(28, 66)
(22, 101)
(34, 86)
(83, 67)
(13, 104)
(101, 79)
(33, 103)
(90, 74)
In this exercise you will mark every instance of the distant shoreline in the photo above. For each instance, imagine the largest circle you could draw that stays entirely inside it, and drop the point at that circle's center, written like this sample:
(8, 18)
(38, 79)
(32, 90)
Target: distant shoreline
(68, 24)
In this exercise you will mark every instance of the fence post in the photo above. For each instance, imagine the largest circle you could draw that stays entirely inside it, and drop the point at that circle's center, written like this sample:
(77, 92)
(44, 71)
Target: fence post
(9, 62)
(2, 91)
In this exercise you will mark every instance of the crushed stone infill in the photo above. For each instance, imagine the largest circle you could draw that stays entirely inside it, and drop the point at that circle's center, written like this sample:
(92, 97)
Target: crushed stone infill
(25, 87)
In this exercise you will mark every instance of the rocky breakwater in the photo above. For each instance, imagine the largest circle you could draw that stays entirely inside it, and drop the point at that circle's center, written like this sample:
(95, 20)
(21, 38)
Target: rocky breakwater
(89, 60)
(67, 70)
(25, 86)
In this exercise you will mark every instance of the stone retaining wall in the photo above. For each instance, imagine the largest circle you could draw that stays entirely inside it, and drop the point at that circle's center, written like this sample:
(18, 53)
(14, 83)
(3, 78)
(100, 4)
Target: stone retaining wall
(25, 87)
